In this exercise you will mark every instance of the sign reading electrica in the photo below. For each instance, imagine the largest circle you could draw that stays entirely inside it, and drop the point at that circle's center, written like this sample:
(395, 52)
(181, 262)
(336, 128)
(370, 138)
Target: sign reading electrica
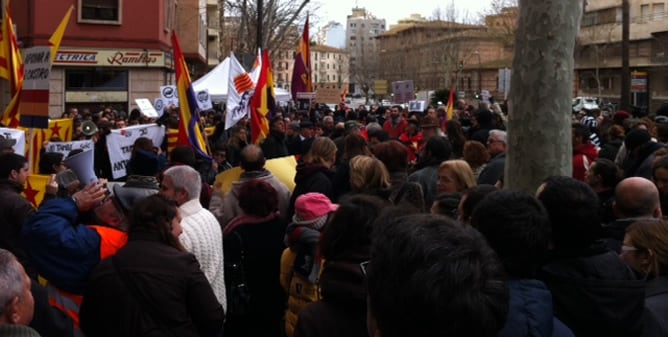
(114, 58)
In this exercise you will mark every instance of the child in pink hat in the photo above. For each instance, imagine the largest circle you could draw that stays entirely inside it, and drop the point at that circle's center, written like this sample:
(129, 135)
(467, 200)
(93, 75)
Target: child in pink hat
(300, 263)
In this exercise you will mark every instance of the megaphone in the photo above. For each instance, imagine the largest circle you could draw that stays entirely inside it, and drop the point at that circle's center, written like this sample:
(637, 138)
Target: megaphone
(88, 128)
(83, 166)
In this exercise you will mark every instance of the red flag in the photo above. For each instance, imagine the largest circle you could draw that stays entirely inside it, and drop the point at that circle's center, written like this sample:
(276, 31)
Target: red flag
(262, 102)
(449, 112)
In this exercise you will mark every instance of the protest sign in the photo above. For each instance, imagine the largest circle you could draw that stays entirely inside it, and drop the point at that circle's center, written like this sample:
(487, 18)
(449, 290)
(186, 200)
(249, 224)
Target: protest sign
(120, 144)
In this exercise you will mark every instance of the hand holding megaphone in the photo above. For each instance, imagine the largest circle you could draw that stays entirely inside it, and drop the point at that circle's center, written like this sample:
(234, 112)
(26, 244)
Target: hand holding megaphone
(90, 196)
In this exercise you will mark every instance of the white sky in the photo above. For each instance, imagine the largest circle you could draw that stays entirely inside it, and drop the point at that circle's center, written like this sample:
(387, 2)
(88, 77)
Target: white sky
(395, 10)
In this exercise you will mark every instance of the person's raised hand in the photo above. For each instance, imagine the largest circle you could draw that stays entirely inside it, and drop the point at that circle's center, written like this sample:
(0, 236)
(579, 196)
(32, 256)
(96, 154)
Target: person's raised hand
(90, 196)
(52, 185)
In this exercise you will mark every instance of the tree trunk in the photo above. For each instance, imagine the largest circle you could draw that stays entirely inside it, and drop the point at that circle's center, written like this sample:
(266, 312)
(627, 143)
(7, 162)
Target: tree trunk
(539, 125)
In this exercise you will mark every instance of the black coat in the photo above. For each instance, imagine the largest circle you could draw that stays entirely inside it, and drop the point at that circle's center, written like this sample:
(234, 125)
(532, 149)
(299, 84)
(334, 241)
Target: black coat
(263, 246)
(596, 294)
(311, 178)
(15, 211)
(274, 146)
(656, 301)
(171, 284)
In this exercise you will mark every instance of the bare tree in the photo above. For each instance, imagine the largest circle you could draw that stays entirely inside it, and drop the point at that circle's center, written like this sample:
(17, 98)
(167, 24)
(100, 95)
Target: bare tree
(282, 20)
(539, 125)
(365, 70)
(592, 44)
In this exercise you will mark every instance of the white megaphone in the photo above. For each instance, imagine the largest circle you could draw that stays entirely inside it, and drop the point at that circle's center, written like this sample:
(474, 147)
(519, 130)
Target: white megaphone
(83, 166)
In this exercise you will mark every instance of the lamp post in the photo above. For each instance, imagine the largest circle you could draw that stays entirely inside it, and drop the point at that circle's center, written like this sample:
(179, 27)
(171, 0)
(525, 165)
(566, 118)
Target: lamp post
(477, 53)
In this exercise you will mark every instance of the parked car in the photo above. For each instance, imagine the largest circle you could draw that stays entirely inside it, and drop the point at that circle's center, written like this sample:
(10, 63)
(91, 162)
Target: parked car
(584, 103)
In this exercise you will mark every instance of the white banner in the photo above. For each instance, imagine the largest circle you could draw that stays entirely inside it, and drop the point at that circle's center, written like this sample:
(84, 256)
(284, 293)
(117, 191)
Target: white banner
(19, 136)
(66, 147)
(146, 107)
(120, 142)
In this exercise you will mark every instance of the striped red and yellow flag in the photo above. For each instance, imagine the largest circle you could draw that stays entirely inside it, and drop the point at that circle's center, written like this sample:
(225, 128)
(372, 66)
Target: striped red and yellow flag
(35, 188)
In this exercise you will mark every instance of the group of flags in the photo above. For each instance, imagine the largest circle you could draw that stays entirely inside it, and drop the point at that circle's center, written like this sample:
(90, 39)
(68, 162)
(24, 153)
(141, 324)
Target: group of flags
(11, 63)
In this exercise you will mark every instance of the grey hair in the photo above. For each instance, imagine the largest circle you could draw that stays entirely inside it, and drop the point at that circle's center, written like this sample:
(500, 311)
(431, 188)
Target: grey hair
(186, 178)
(328, 118)
(373, 125)
(11, 278)
(500, 134)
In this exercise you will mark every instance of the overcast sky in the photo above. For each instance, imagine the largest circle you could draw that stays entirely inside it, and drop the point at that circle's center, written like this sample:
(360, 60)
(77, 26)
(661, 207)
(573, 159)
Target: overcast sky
(392, 11)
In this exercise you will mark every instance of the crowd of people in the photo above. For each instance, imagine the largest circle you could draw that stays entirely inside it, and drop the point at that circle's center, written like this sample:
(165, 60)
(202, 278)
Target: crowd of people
(398, 225)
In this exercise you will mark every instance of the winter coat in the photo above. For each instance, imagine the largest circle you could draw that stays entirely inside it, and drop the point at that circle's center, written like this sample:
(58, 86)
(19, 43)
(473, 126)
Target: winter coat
(230, 205)
(583, 156)
(311, 178)
(493, 171)
(656, 301)
(15, 211)
(342, 309)
(275, 146)
(300, 269)
(427, 177)
(169, 293)
(64, 251)
(263, 246)
(596, 294)
(403, 192)
(395, 130)
(530, 313)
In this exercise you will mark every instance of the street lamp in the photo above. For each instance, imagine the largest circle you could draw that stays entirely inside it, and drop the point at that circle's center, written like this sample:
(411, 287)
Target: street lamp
(477, 53)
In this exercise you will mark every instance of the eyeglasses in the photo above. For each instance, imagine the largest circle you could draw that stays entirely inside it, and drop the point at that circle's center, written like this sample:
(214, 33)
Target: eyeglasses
(626, 249)
(363, 266)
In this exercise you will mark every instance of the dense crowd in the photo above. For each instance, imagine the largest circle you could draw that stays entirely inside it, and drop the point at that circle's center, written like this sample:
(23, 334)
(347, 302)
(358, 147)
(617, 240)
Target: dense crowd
(397, 225)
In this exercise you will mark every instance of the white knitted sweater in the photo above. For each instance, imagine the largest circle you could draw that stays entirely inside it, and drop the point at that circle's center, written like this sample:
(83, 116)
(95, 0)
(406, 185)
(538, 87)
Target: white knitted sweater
(203, 238)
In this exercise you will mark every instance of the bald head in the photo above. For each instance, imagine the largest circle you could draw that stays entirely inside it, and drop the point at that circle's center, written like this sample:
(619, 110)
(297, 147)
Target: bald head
(252, 158)
(637, 197)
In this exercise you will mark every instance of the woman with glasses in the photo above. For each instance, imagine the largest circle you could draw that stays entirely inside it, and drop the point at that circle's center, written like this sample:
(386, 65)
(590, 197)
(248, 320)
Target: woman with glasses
(645, 249)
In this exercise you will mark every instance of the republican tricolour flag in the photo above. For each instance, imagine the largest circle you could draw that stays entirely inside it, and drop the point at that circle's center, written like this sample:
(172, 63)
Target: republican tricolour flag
(190, 132)
(239, 92)
(263, 102)
(301, 72)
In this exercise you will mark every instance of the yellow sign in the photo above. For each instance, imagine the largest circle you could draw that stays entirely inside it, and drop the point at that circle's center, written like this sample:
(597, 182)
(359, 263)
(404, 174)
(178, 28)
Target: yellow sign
(283, 168)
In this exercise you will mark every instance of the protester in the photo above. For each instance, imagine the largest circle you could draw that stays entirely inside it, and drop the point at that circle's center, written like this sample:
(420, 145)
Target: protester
(435, 151)
(314, 173)
(300, 262)
(18, 306)
(454, 175)
(395, 157)
(151, 287)
(202, 235)
(428, 276)
(253, 245)
(345, 243)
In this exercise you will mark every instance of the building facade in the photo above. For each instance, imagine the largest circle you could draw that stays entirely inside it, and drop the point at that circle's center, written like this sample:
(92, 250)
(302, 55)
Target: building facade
(329, 67)
(598, 54)
(362, 30)
(440, 54)
(332, 34)
(113, 51)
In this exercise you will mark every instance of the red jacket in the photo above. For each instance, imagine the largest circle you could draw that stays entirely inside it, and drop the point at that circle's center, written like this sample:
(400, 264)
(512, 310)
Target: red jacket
(395, 131)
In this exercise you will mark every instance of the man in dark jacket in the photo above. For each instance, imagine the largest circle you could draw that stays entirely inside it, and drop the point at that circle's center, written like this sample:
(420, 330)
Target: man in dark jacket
(640, 157)
(594, 292)
(517, 227)
(496, 146)
(274, 145)
(15, 210)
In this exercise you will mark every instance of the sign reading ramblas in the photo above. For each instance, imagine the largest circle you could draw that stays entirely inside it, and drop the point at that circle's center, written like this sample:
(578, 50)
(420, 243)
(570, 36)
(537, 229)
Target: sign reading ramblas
(112, 57)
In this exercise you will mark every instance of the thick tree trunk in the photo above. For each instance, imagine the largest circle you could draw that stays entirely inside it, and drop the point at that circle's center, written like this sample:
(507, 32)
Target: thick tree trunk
(539, 126)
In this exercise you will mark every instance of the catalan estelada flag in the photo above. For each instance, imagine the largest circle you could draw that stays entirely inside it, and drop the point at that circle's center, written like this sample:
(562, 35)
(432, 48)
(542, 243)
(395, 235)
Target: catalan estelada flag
(11, 69)
(190, 132)
(263, 101)
(301, 71)
(58, 128)
(35, 188)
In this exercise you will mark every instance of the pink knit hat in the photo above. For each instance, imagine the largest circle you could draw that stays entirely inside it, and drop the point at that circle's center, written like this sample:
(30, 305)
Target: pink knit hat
(311, 207)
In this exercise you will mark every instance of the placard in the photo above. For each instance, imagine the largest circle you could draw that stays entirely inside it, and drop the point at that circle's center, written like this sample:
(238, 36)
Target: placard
(170, 95)
(121, 141)
(204, 100)
(146, 108)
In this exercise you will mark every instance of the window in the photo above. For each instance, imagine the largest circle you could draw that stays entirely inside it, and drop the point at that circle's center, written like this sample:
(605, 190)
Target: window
(658, 10)
(101, 11)
(644, 11)
(96, 79)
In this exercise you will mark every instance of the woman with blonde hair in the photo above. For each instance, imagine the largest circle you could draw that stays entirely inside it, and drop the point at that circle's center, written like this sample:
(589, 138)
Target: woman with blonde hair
(368, 175)
(455, 176)
(314, 173)
(476, 155)
(645, 249)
